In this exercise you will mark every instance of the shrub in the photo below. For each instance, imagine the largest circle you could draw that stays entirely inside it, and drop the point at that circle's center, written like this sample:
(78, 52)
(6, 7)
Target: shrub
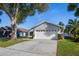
(60, 36)
(77, 38)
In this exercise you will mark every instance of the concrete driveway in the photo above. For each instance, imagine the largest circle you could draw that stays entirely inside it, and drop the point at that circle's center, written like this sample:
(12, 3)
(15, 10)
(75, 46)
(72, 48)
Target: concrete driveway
(31, 48)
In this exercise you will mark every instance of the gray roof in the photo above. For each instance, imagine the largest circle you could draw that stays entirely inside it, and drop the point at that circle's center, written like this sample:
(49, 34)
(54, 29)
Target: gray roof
(43, 23)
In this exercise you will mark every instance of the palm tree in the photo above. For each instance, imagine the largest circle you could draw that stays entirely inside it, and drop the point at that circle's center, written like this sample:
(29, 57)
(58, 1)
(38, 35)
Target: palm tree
(74, 7)
(73, 27)
(61, 24)
(19, 11)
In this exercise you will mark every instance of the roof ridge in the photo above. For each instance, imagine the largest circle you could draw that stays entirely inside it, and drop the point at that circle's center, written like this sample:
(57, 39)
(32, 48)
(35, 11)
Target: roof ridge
(42, 23)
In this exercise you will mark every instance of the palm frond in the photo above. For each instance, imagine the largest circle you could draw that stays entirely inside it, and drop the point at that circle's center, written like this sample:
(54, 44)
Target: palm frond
(72, 6)
(41, 7)
(77, 12)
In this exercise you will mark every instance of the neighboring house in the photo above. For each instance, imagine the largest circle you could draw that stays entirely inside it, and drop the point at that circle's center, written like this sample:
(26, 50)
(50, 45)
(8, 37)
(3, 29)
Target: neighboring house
(22, 32)
(67, 35)
(5, 32)
(44, 30)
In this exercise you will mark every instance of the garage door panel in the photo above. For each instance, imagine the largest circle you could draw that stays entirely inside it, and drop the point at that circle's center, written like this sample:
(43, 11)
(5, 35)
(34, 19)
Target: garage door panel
(45, 35)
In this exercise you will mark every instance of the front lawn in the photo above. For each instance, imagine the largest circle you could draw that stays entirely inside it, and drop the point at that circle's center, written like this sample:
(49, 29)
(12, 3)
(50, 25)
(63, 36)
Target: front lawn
(67, 48)
(6, 43)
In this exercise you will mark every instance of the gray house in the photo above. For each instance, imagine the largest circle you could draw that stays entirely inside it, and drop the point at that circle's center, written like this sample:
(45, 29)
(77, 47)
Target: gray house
(44, 30)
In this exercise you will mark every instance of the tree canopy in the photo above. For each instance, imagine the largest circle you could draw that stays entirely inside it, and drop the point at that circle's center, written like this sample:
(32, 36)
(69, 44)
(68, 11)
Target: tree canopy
(24, 10)
(74, 7)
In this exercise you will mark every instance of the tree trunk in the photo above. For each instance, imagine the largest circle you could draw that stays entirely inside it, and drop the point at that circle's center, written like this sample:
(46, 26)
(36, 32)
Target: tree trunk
(14, 28)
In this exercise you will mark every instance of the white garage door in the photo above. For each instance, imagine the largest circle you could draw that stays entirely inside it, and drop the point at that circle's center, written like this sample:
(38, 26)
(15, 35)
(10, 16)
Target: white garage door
(45, 34)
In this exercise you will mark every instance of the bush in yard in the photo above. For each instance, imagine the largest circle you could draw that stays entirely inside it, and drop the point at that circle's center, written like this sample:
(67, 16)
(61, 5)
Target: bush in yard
(77, 38)
(60, 36)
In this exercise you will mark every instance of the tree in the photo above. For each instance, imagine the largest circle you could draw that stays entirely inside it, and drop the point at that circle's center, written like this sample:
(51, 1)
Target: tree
(74, 7)
(19, 11)
(61, 25)
(73, 27)
(0, 15)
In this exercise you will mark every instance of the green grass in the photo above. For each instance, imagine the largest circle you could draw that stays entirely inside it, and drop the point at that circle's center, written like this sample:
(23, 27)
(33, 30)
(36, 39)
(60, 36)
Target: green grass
(67, 48)
(6, 43)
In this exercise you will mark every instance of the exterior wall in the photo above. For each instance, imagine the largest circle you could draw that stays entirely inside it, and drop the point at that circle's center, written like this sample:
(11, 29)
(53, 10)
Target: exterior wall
(21, 34)
(24, 34)
(30, 32)
(46, 31)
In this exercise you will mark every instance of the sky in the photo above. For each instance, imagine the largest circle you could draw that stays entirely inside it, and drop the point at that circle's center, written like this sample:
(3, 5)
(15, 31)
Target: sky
(56, 12)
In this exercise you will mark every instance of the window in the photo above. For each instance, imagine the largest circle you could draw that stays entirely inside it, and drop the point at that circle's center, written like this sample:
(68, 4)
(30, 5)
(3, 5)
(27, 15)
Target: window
(37, 30)
(41, 30)
(55, 30)
(46, 30)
